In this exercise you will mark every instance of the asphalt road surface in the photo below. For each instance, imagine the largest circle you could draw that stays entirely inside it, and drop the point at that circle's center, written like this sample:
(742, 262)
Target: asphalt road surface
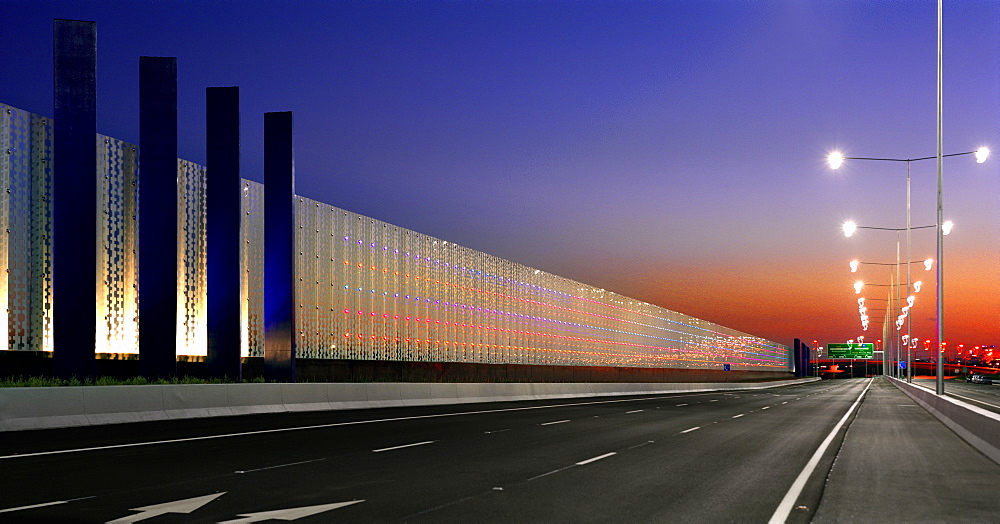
(707, 457)
(985, 396)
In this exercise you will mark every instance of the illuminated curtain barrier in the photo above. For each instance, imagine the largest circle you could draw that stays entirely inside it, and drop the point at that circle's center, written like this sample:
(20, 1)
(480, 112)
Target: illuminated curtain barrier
(367, 290)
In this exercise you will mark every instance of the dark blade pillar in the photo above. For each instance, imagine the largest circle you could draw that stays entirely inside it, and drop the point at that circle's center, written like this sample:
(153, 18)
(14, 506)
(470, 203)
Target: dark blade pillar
(74, 196)
(158, 217)
(279, 247)
(223, 224)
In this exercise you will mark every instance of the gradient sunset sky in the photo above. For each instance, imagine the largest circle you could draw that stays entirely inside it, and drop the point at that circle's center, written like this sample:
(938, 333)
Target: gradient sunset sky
(671, 151)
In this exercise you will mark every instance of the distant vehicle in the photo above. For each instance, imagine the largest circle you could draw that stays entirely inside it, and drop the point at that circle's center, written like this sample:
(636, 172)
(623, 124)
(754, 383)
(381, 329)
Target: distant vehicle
(979, 379)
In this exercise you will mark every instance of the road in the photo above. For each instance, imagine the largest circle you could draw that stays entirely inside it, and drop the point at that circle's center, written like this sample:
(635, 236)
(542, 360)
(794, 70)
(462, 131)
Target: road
(705, 457)
(985, 396)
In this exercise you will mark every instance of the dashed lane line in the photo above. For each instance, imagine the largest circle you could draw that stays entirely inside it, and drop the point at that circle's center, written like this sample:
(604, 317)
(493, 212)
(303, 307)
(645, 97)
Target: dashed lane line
(595, 459)
(404, 446)
(333, 425)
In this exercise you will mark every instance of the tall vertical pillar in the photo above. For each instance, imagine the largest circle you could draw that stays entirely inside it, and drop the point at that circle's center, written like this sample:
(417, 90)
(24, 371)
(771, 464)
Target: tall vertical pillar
(74, 198)
(279, 248)
(158, 216)
(223, 230)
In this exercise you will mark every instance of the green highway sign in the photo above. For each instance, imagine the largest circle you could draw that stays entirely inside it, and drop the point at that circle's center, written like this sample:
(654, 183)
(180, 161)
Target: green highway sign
(850, 350)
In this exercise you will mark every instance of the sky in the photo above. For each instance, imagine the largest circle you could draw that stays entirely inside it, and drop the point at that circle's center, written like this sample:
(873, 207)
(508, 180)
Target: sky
(670, 151)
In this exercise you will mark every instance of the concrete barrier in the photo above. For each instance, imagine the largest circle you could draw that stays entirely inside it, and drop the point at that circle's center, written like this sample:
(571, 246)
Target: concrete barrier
(57, 407)
(977, 426)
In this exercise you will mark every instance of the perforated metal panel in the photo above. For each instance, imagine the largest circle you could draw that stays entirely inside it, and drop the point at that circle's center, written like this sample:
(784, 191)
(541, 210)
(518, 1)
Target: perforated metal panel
(252, 262)
(117, 262)
(26, 222)
(192, 276)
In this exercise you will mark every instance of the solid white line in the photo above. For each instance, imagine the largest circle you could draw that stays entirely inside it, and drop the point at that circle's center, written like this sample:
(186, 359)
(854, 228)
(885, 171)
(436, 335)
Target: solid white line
(33, 506)
(595, 459)
(738, 416)
(556, 422)
(278, 466)
(785, 507)
(634, 411)
(691, 429)
(338, 424)
(404, 446)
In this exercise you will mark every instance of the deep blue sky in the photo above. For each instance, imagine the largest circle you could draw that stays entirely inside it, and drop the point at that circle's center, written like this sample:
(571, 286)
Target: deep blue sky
(672, 151)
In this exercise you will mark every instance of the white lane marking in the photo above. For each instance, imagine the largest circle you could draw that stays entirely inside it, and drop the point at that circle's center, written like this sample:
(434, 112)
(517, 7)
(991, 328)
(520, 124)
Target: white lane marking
(690, 430)
(278, 466)
(338, 424)
(404, 446)
(766, 407)
(680, 405)
(549, 473)
(495, 431)
(554, 422)
(648, 442)
(784, 402)
(44, 504)
(738, 416)
(178, 506)
(634, 411)
(713, 400)
(595, 459)
(785, 507)
(290, 513)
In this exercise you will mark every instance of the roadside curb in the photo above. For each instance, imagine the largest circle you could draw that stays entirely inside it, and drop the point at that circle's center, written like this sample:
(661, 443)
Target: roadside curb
(58, 407)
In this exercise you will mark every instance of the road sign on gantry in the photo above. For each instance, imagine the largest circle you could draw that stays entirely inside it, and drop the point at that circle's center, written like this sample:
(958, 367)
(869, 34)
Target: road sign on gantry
(850, 350)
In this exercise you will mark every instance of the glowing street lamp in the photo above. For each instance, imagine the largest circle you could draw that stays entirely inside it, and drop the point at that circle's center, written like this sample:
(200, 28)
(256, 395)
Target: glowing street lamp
(981, 155)
(836, 160)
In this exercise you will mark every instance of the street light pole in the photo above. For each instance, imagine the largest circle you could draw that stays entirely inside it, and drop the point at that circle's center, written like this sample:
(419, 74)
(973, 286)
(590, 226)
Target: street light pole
(939, 383)
(909, 254)
(836, 159)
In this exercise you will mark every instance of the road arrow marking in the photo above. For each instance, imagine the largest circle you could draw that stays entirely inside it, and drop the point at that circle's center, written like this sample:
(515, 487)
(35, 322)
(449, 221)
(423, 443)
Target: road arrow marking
(178, 506)
(290, 513)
